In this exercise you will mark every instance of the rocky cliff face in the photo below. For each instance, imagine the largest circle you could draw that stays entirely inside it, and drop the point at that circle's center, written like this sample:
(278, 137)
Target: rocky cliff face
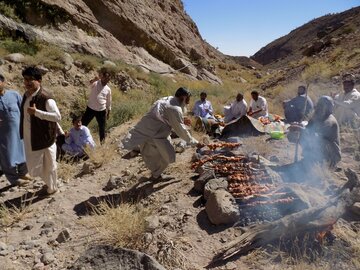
(335, 30)
(156, 34)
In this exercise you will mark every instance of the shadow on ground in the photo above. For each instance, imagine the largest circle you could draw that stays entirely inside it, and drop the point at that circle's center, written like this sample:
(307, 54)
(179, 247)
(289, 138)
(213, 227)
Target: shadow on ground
(136, 193)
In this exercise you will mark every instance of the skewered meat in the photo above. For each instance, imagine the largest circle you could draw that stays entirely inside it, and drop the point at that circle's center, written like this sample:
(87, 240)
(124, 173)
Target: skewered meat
(214, 146)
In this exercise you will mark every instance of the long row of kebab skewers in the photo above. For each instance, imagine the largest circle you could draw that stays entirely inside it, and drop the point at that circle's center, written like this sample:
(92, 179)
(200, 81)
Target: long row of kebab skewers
(247, 180)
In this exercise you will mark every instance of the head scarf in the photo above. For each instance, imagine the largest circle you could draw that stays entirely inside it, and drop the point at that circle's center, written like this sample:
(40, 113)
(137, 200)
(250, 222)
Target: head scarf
(324, 107)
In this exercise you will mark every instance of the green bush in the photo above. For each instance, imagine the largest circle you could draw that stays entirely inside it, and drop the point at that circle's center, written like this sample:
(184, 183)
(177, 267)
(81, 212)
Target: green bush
(17, 46)
(8, 11)
(48, 56)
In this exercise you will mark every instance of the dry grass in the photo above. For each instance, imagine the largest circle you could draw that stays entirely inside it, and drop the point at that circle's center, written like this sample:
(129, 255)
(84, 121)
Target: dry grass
(11, 215)
(122, 226)
(101, 154)
(66, 170)
(170, 253)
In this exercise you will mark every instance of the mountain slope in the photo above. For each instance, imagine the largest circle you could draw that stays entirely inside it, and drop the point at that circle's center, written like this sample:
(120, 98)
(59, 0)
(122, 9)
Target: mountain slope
(311, 38)
(158, 35)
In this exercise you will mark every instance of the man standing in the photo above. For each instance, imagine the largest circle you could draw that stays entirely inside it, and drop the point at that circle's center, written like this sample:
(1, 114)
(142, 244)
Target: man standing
(236, 110)
(99, 104)
(203, 107)
(38, 127)
(77, 139)
(258, 106)
(152, 133)
(347, 110)
(12, 157)
(298, 108)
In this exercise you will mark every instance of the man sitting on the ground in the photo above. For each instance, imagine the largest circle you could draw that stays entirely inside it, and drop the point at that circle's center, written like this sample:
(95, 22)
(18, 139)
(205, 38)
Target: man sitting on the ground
(203, 107)
(298, 108)
(77, 139)
(347, 110)
(258, 106)
(236, 110)
(320, 140)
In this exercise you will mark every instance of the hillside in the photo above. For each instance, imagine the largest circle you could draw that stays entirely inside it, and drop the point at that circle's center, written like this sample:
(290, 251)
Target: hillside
(311, 38)
(157, 35)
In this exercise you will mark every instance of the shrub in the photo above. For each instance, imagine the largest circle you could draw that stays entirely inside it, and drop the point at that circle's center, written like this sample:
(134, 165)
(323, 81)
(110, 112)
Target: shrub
(122, 226)
(89, 62)
(8, 11)
(18, 46)
(48, 56)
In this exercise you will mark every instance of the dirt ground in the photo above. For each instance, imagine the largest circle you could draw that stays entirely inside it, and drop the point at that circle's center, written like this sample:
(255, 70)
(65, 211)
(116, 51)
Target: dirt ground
(183, 222)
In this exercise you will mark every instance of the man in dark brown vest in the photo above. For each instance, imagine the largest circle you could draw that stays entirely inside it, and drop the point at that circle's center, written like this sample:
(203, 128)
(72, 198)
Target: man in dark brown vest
(39, 115)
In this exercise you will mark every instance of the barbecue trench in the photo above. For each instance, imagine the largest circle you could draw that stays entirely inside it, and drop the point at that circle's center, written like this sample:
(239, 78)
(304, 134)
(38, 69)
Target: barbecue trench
(246, 185)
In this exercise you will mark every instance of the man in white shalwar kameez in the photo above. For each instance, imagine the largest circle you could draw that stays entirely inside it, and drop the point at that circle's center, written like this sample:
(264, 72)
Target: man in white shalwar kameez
(39, 117)
(152, 133)
(236, 110)
(347, 104)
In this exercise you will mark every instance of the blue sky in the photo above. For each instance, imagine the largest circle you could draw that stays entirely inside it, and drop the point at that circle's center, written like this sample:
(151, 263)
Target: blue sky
(242, 27)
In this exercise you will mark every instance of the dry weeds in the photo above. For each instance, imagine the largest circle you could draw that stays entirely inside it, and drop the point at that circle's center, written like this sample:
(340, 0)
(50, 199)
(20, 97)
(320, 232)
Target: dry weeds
(101, 154)
(66, 170)
(122, 226)
(12, 215)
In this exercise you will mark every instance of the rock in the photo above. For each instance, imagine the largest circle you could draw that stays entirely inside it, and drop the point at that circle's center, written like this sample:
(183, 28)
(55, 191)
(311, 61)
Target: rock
(221, 208)
(15, 57)
(213, 185)
(195, 157)
(242, 80)
(48, 224)
(199, 184)
(356, 208)
(47, 258)
(185, 67)
(43, 70)
(3, 246)
(65, 83)
(68, 61)
(152, 223)
(39, 266)
(109, 63)
(119, 258)
(208, 76)
(4, 253)
(231, 266)
(274, 159)
(2, 62)
(63, 236)
(148, 238)
(114, 182)
(28, 227)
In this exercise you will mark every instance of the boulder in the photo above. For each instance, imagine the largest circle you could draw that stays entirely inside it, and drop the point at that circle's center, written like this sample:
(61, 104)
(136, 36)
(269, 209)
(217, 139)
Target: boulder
(63, 236)
(68, 61)
(185, 67)
(115, 258)
(114, 182)
(213, 185)
(356, 208)
(15, 57)
(221, 208)
(208, 76)
(199, 184)
(109, 63)
(152, 223)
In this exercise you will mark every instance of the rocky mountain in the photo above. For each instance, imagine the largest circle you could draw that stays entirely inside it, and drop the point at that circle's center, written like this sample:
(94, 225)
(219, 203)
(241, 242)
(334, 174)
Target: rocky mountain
(157, 35)
(321, 34)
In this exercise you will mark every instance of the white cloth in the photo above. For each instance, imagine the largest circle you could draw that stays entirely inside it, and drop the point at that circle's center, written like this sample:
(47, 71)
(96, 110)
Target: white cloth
(203, 109)
(41, 163)
(347, 107)
(261, 103)
(236, 110)
(152, 134)
(100, 97)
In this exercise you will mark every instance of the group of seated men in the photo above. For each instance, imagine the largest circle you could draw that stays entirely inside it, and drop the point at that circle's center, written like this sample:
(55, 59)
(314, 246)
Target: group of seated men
(258, 108)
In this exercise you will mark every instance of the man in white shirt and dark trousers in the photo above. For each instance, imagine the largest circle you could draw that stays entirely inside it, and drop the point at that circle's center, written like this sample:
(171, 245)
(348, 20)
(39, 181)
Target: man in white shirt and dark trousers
(99, 104)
